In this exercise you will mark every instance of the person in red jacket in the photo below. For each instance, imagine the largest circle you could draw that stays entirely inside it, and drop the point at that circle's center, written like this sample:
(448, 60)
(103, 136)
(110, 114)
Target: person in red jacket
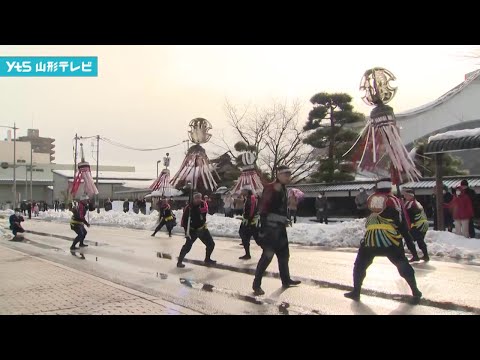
(462, 211)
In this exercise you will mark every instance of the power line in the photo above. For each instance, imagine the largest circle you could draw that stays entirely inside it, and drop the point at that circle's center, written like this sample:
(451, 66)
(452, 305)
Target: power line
(115, 143)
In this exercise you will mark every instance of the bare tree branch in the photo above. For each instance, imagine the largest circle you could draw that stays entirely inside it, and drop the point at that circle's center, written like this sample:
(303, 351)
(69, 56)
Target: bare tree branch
(229, 150)
(275, 134)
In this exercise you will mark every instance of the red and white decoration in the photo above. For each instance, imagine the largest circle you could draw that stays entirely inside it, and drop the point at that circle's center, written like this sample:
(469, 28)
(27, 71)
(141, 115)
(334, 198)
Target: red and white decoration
(84, 175)
(197, 170)
(196, 167)
(381, 150)
(249, 176)
(162, 182)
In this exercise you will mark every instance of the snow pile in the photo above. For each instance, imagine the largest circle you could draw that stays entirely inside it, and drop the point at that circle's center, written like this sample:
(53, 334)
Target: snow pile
(337, 235)
(5, 232)
(107, 218)
(346, 234)
(455, 134)
(444, 243)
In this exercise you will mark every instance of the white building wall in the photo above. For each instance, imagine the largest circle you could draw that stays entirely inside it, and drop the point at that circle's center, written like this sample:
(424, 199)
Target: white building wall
(22, 152)
(462, 107)
(39, 158)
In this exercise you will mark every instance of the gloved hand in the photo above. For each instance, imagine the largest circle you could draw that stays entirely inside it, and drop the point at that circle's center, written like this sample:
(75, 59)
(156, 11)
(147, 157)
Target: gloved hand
(245, 222)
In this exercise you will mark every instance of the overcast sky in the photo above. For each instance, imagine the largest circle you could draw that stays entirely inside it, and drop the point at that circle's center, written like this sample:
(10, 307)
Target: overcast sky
(145, 96)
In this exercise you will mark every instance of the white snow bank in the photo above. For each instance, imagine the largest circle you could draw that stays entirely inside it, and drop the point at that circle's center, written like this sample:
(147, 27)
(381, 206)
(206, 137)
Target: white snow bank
(455, 134)
(5, 232)
(444, 243)
(337, 235)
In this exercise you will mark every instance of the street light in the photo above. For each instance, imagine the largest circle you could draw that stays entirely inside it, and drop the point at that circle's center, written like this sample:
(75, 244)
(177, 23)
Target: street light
(14, 162)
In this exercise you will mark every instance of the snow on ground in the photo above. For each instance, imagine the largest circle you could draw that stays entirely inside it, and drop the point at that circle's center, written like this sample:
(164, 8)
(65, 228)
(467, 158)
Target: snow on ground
(444, 243)
(5, 232)
(345, 234)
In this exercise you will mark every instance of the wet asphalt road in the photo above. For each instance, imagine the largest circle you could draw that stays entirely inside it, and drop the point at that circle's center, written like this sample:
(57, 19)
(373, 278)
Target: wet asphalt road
(135, 259)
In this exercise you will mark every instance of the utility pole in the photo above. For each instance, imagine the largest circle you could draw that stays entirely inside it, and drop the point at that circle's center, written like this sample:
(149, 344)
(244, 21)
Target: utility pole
(14, 165)
(74, 161)
(96, 181)
(31, 170)
(75, 157)
(26, 181)
(439, 191)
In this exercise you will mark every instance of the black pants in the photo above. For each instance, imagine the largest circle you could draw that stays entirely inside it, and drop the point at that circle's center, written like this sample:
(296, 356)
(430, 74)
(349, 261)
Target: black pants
(419, 238)
(322, 217)
(205, 238)
(292, 213)
(395, 254)
(471, 229)
(447, 220)
(169, 225)
(246, 233)
(81, 234)
(273, 242)
(16, 229)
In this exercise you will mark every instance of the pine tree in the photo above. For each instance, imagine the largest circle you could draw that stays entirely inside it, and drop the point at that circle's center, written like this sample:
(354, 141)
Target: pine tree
(327, 118)
(452, 165)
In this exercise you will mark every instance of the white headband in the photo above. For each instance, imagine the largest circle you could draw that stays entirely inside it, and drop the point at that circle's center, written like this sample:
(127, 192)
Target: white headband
(385, 184)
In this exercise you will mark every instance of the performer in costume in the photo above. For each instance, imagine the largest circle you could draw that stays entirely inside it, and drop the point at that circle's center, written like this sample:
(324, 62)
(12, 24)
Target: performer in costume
(78, 221)
(418, 225)
(273, 232)
(166, 218)
(385, 227)
(16, 220)
(194, 221)
(250, 221)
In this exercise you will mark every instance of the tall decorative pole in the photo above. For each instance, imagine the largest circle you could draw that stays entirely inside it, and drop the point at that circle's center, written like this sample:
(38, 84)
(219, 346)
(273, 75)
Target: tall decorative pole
(163, 180)
(249, 176)
(84, 174)
(196, 166)
(381, 148)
